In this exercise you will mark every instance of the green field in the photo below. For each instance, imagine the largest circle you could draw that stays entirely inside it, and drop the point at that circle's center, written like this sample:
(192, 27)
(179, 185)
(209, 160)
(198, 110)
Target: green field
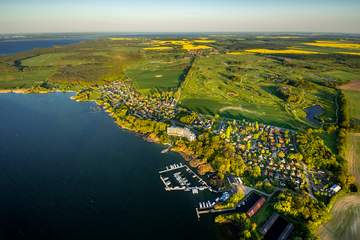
(24, 79)
(353, 155)
(247, 86)
(353, 99)
(53, 59)
(71, 66)
(153, 74)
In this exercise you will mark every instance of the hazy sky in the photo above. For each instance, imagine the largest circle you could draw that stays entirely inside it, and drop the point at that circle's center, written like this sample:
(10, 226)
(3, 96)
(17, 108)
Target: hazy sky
(179, 15)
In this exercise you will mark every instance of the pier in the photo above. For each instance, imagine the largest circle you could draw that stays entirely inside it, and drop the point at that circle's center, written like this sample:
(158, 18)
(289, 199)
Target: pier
(179, 177)
(172, 167)
(212, 210)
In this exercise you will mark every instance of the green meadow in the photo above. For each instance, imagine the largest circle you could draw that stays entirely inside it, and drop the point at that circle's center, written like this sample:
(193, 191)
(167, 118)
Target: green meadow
(157, 74)
(253, 86)
(353, 98)
(53, 59)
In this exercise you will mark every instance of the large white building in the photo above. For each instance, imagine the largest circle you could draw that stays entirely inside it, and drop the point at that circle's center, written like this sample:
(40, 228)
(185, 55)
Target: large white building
(181, 132)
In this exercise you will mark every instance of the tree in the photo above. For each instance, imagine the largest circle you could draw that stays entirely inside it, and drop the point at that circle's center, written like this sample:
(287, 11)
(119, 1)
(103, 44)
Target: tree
(256, 171)
(228, 132)
(189, 119)
(281, 154)
(296, 156)
(247, 234)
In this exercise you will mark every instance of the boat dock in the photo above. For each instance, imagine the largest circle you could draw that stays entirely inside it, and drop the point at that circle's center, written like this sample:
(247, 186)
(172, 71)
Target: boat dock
(199, 212)
(172, 167)
(179, 177)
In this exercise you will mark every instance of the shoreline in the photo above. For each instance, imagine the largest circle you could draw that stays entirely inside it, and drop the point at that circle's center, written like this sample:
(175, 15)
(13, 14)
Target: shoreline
(32, 91)
(148, 138)
(17, 91)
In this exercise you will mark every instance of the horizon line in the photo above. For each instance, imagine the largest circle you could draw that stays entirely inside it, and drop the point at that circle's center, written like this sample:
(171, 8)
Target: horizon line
(179, 32)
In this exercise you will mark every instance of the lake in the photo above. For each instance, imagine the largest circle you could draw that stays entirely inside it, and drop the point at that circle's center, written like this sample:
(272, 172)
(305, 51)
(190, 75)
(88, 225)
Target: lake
(68, 172)
(18, 45)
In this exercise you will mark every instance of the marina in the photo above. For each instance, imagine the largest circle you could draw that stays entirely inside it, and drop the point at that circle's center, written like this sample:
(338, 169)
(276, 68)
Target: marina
(179, 177)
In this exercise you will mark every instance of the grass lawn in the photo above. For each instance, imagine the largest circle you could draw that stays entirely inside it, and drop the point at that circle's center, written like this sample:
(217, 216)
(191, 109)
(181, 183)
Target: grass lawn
(52, 59)
(353, 99)
(263, 214)
(157, 75)
(24, 79)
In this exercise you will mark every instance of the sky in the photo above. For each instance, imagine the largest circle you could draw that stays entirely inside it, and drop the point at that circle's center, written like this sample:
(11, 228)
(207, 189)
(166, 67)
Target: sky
(34, 16)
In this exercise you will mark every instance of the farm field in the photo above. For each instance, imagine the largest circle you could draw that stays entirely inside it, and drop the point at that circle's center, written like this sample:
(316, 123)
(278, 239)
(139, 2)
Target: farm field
(69, 67)
(345, 223)
(53, 59)
(353, 155)
(23, 79)
(157, 74)
(352, 93)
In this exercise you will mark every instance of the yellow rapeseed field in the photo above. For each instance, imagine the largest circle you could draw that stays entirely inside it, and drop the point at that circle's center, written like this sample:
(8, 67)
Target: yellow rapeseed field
(204, 41)
(173, 42)
(280, 51)
(238, 53)
(158, 48)
(335, 44)
(185, 44)
(122, 39)
(191, 47)
(350, 53)
(278, 37)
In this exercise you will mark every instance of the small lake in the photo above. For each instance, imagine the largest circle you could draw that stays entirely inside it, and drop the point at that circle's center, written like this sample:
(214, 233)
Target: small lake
(313, 112)
(68, 172)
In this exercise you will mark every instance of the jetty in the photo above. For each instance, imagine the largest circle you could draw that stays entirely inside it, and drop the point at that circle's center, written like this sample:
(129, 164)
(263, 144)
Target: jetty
(212, 210)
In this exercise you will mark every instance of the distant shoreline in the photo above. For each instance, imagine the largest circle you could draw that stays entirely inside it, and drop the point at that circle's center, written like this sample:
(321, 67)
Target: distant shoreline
(31, 91)
(18, 91)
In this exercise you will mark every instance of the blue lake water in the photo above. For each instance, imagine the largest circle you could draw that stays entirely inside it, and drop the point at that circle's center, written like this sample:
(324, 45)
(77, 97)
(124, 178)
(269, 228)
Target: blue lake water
(68, 172)
(19, 45)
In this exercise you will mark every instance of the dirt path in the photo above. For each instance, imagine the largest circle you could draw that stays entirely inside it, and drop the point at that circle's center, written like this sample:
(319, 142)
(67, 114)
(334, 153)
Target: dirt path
(353, 86)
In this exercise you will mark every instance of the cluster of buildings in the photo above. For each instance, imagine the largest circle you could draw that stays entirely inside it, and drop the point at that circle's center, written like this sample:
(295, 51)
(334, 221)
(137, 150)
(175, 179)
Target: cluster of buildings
(203, 123)
(268, 148)
(156, 108)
